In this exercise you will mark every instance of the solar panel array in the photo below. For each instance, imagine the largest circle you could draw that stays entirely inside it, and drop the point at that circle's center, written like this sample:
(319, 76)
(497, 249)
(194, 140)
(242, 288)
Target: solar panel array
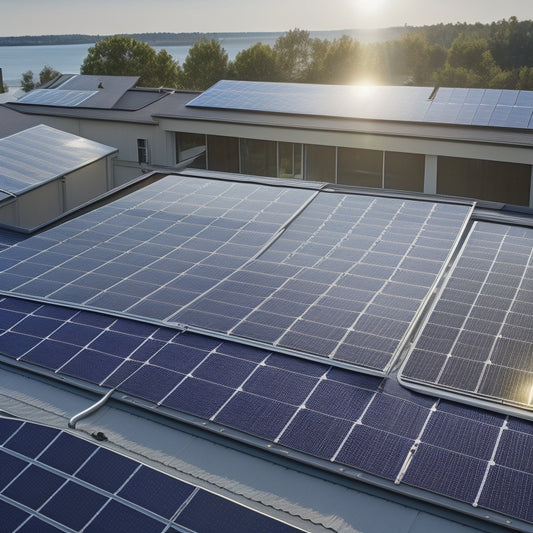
(323, 274)
(51, 480)
(55, 97)
(344, 418)
(475, 107)
(40, 154)
(478, 339)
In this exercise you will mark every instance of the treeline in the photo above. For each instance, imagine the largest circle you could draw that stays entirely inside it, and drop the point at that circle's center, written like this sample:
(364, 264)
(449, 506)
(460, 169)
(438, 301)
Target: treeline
(497, 55)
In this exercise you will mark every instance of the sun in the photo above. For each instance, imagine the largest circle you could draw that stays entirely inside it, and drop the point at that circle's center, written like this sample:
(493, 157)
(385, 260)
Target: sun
(369, 8)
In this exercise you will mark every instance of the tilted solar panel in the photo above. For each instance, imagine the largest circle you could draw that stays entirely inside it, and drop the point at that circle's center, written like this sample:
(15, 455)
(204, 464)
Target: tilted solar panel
(478, 339)
(51, 480)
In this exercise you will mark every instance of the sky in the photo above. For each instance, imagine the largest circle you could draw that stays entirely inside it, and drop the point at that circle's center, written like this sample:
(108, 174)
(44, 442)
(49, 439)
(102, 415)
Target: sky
(107, 17)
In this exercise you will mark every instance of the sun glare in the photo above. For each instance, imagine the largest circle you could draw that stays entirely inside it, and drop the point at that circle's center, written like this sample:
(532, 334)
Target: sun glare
(369, 7)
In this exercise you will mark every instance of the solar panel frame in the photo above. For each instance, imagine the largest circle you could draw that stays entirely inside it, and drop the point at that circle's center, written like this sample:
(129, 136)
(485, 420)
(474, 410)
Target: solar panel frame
(485, 356)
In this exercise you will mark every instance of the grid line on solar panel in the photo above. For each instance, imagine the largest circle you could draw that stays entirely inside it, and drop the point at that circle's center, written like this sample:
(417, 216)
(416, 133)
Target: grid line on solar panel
(359, 421)
(182, 241)
(351, 244)
(76, 484)
(481, 347)
(132, 257)
(449, 106)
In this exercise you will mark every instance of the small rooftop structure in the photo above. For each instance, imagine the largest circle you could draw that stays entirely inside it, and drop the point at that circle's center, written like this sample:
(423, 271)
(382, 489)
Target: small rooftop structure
(46, 172)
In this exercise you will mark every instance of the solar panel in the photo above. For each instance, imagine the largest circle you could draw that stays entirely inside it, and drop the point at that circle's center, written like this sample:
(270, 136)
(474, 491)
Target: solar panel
(412, 104)
(73, 483)
(61, 98)
(478, 338)
(341, 261)
(315, 273)
(342, 417)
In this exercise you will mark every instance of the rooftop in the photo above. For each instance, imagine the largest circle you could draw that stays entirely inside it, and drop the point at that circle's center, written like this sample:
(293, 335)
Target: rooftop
(382, 339)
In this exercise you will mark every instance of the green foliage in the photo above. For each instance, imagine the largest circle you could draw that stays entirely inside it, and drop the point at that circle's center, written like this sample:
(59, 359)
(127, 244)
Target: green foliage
(205, 64)
(47, 74)
(294, 51)
(28, 82)
(257, 63)
(335, 62)
(124, 56)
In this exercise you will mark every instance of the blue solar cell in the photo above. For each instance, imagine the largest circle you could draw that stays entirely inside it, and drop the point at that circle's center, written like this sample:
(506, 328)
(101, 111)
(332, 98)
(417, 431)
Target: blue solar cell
(12, 517)
(225, 517)
(33, 487)
(50, 354)
(256, 415)
(7, 427)
(74, 505)
(461, 435)
(11, 467)
(339, 399)
(198, 397)
(377, 452)
(228, 371)
(91, 365)
(30, 440)
(107, 470)
(499, 494)
(151, 382)
(77, 334)
(35, 525)
(67, 453)
(402, 418)
(156, 491)
(444, 472)
(287, 387)
(315, 433)
(37, 326)
(118, 517)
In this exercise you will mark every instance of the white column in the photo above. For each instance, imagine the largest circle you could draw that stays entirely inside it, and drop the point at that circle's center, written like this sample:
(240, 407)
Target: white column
(430, 174)
(531, 188)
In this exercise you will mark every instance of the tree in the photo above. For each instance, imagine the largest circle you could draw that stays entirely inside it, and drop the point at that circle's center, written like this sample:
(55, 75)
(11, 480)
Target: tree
(295, 52)
(337, 62)
(124, 56)
(205, 64)
(47, 74)
(257, 63)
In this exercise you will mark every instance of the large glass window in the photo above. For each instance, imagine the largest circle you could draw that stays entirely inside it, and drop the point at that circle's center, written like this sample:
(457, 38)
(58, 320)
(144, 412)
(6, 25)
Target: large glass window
(404, 172)
(320, 163)
(290, 160)
(359, 167)
(259, 158)
(485, 180)
(191, 145)
(222, 153)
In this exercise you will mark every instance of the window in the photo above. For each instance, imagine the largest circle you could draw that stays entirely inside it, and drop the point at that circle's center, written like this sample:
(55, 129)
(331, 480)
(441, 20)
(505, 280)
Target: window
(259, 158)
(360, 167)
(222, 153)
(191, 146)
(404, 172)
(142, 151)
(320, 163)
(486, 180)
(290, 160)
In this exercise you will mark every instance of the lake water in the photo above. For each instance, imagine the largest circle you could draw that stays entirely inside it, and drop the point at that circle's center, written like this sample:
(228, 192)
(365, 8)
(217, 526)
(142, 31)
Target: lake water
(67, 59)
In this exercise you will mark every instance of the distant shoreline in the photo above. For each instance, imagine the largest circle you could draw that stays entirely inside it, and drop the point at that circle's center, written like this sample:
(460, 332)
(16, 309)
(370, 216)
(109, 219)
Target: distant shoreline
(177, 39)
